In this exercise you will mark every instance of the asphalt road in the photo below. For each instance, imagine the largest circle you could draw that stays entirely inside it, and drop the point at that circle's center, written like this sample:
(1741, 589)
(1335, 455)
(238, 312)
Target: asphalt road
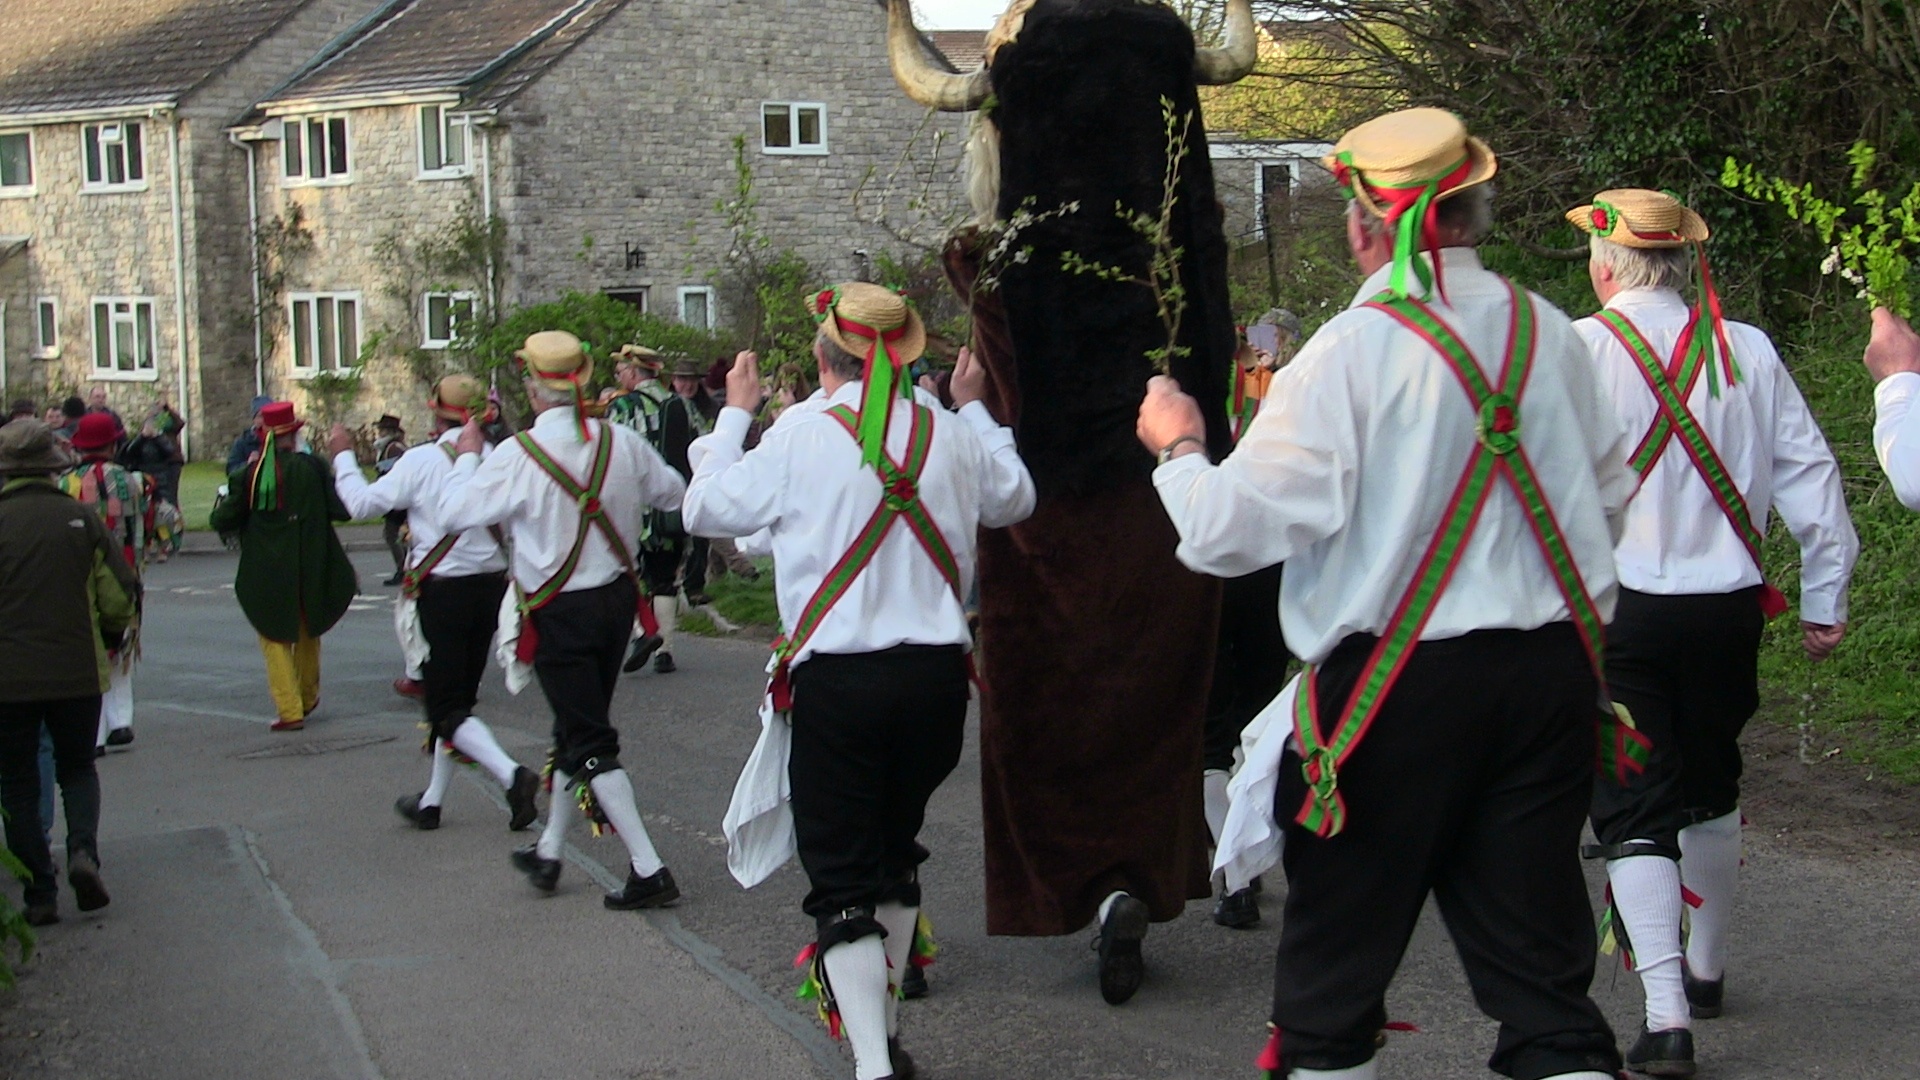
(273, 918)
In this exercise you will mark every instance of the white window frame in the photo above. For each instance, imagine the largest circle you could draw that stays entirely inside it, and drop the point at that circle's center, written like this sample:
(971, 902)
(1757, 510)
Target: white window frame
(43, 348)
(151, 373)
(313, 300)
(90, 186)
(680, 304)
(298, 128)
(453, 297)
(449, 121)
(28, 189)
(814, 149)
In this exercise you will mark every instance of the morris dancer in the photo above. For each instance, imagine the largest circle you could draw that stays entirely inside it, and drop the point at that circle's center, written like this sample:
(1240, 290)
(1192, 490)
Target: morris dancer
(1722, 433)
(451, 585)
(1438, 470)
(570, 494)
(642, 406)
(872, 497)
(120, 498)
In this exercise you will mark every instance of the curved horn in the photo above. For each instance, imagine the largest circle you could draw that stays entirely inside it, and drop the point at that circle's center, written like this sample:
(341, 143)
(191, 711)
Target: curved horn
(1233, 59)
(917, 74)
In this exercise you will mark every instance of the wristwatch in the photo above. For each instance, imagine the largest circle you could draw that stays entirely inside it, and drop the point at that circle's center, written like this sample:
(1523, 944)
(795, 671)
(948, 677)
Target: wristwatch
(1166, 452)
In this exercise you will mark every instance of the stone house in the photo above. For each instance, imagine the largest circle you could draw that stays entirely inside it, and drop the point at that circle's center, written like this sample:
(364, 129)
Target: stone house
(599, 138)
(123, 224)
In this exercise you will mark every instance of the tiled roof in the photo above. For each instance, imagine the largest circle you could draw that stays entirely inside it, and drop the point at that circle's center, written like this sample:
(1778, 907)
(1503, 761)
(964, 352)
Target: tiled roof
(453, 45)
(62, 55)
(966, 48)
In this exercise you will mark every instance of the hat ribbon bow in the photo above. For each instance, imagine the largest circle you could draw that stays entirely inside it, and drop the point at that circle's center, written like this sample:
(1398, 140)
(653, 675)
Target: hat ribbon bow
(1414, 210)
(879, 384)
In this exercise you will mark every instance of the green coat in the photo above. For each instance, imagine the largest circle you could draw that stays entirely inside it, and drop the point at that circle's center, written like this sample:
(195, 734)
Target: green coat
(291, 562)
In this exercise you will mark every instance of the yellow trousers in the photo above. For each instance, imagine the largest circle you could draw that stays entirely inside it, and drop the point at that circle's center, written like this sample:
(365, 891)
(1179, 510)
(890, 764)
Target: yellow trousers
(293, 674)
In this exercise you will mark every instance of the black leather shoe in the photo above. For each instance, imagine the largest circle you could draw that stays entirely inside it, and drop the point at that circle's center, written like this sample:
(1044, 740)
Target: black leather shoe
(1704, 996)
(1121, 932)
(42, 914)
(544, 873)
(913, 985)
(902, 1062)
(520, 799)
(698, 599)
(1237, 910)
(664, 665)
(643, 892)
(1662, 1053)
(425, 818)
(120, 736)
(643, 648)
(83, 873)
(392, 581)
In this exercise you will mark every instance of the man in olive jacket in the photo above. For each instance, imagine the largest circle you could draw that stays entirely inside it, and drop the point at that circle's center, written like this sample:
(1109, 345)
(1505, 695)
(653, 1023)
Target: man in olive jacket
(295, 580)
(66, 593)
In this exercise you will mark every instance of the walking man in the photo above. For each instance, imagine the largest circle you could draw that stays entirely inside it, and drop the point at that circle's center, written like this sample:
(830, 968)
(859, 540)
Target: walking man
(1722, 434)
(294, 580)
(1438, 470)
(65, 592)
(570, 494)
(872, 498)
(120, 498)
(642, 407)
(451, 588)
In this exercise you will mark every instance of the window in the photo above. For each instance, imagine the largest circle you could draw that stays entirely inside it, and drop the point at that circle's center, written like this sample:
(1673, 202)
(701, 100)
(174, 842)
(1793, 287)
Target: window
(313, 150)
(325, 328)
(113, 156)
(696, 306)
(445, 318)
(443, 144)
(16, 163)
(1274, 185)
(46, 328)
(123, 337)
(633, 298)
(793, 127)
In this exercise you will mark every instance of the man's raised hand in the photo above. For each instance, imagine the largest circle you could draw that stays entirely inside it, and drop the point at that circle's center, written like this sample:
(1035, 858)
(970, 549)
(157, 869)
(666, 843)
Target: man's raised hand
(743, 383)
(1167, 416)
(1893, 346)
(969, 383)
(339, 440)
(473, 438)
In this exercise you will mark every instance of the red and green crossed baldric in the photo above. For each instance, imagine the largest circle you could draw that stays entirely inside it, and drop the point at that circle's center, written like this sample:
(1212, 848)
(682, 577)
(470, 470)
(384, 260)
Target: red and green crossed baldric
(417, 574)
(899, 502)
(1499, 457)
(587, 497)
(1672, 384)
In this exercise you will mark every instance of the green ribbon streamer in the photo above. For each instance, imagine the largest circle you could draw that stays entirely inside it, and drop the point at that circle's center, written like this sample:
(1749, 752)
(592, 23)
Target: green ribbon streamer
(266, 475)
(1406, 247)
(876, 404)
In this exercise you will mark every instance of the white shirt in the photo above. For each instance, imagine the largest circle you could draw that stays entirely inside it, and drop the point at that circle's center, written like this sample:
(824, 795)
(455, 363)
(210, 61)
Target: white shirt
(1677, 541)
(414, 484)
(806, 485)
(1896, 434)
(542, 521)
(1347, 471)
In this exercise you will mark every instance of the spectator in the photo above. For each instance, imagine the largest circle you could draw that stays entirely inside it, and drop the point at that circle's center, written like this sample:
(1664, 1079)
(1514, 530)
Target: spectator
(248, 444)
(155, 453)
(71, 410)
(22, 407)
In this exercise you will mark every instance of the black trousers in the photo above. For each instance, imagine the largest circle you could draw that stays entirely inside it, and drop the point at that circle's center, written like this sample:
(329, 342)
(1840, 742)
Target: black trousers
(874, 734)
(396, 520)
(660, 561)
(1249, 662)
(73, 723)
(458, 616)
(1472, 784)
(1687, 668)
(693, 573)
(583, 638)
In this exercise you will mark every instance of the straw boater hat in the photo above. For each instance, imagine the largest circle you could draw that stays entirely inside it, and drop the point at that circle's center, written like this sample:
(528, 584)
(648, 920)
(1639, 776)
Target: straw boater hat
(1400, 167)
(878, 325)
(458, 397)
(28, 448)
(639, 356)
(1646, 219)
(558, 361)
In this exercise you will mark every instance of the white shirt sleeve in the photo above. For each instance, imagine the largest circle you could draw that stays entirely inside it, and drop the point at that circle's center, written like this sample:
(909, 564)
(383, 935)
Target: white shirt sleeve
(1006, 488)
(364, 500)
(734, 493)
(476, 492)
(1896, 434)
(1807, 494)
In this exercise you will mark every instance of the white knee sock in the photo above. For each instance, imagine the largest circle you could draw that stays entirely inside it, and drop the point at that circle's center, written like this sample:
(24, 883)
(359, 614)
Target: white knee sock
(857, 972)
(476, 740)
(436, 792)
(1213, 785)
(1710, 865)
(667, 610)
(560, 812)
(900, 922)
(614, 792)
(1646, 891)
(1588, 1075)
(116, 705)
(1367, 1070)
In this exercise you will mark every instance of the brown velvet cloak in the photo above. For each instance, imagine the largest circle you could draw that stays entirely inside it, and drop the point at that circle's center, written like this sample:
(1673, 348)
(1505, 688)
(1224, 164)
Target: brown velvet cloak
(1096, 654)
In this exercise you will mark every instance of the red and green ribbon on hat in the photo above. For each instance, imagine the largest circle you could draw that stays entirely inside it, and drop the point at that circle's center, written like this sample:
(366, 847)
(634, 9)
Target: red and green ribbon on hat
(880, 377)
(1606, 219)
(266, 474)
(1414, 212)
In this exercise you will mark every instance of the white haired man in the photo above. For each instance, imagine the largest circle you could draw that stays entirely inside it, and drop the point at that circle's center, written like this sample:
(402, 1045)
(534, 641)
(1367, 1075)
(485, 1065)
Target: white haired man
(1438, 469)
(1721, 434)
(571, 494)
